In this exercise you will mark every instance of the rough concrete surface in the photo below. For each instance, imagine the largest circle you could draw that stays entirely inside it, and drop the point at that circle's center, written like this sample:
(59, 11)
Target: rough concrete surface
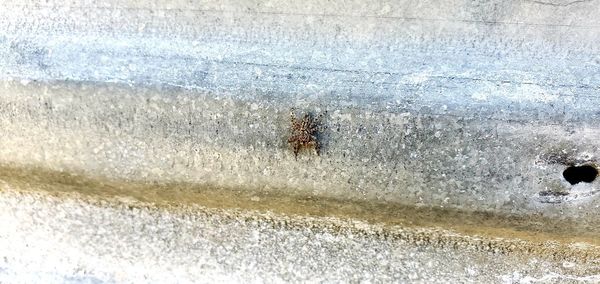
(471, 106)
(117, 242)
(461, 109)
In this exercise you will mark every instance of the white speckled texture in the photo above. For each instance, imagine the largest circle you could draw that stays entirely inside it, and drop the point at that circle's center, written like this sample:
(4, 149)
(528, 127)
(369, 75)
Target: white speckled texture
(459, 160)
(460, 108)
(469, 105)
(114, 242)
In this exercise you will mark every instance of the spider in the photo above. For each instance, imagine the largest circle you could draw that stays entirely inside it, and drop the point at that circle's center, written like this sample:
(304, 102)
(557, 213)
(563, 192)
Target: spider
(304, 133)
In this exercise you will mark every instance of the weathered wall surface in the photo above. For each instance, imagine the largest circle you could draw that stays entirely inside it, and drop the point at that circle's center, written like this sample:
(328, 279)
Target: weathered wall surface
(467, 105)
(118, 243)
(450, 104)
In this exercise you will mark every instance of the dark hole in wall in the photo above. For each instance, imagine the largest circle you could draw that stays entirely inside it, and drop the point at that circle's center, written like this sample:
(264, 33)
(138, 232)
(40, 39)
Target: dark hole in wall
(577, 174)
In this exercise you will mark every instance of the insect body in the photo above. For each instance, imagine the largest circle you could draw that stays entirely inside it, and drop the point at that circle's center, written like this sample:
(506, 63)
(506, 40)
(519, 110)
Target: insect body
(304, 133)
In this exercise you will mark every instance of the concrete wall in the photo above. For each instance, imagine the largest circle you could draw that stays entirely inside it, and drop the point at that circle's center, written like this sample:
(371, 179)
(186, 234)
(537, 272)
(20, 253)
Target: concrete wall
(454, 104)
(475, 106)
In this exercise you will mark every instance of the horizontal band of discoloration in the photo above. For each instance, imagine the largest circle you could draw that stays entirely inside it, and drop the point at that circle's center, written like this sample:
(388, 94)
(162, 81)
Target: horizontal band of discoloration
(481, 231)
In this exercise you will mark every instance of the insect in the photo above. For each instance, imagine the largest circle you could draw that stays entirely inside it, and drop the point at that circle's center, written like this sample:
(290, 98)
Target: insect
(304, 133)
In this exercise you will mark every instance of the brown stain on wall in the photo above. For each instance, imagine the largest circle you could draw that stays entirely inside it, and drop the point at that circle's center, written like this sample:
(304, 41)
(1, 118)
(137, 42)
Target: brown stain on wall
(563, 239)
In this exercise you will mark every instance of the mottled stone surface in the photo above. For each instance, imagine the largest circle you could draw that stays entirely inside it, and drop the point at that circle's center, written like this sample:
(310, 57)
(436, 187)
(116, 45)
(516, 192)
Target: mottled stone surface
(468, 105)
(458, 106)
(467, 161)
(116, 242)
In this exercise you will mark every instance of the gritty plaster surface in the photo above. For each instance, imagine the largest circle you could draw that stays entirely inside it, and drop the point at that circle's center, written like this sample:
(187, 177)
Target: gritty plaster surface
(471, 105)
(173, 135)
(116, 242)
(466, 106)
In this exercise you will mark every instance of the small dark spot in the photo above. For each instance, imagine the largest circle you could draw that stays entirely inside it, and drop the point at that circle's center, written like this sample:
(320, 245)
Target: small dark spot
(360, 129)
(553, 193)
(577, 174)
